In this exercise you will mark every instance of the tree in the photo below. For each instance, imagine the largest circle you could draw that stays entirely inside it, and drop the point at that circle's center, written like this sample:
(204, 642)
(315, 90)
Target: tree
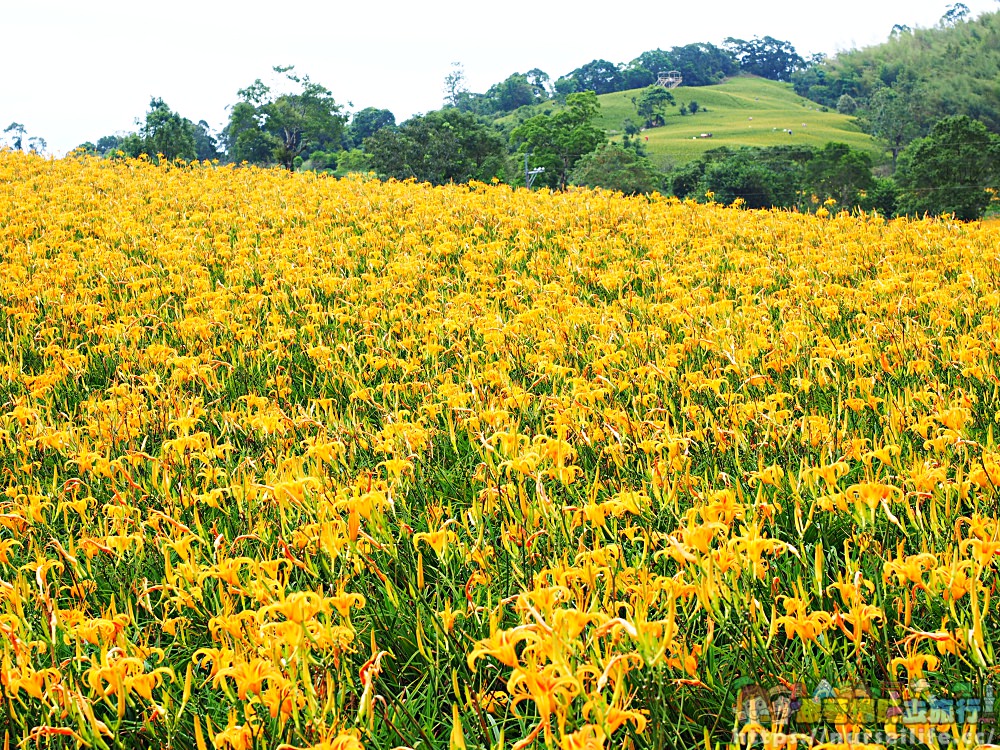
(768, 57)
(951, 170)
(205, 144)
(883, 197)
(510, 94)
(17, 135)
(656, 61)
(599, 76)
(244, 135)
(266, 127)
(304, 121)
(891, 117)
(616, 168)
(564, 86)
(354, 160)
(757, 183)
(560, 139)
(539, 81)
(759, 177)
(955, 13)
(652, 105)
(643, 70)
(837, 171)
(456, 92)
(953, 68)
(440, 147)
(367, 122)
(105, 146)
(703, 64)
(847, 104)
(167, 133)
(130, 146)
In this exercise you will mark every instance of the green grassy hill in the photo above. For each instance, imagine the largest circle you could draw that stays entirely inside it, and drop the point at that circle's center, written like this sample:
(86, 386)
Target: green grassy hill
(742, 111)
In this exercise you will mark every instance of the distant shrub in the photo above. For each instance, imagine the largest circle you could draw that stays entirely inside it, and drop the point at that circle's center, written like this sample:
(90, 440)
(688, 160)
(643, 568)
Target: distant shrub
(847, 105)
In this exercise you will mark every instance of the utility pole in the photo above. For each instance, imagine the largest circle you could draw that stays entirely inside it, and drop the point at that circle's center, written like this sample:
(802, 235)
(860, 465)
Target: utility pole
(530, 174)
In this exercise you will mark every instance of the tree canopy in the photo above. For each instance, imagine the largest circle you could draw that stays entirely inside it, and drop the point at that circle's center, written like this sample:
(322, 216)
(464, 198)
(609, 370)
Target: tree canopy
(955, 170)
(440, 147)
(166, 133)
(265, 127)
(766, 57)
(616, 168)
(652, 105)
(599, 76)
(367, 122)
(557, 141)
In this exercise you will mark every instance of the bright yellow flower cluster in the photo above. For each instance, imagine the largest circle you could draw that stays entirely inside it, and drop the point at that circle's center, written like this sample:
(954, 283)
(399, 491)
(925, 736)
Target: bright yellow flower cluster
(314, 463)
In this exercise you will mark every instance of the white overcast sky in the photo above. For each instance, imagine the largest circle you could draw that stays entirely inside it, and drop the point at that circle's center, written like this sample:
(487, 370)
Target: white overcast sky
(72, 71)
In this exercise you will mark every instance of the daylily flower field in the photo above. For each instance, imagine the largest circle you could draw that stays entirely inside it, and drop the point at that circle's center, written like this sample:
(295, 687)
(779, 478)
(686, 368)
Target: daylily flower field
(292, 461)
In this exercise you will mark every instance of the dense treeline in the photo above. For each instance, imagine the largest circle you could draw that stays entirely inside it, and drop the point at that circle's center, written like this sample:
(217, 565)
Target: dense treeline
(700, 64)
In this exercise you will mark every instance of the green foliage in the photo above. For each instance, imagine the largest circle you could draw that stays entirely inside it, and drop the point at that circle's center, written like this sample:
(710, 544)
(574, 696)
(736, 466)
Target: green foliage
(652, 105)
(951, 170)
(516, 91)
(767, 57)
(783, 176)
(456, 92)
(16, 133)
(130, 146)
(107, 144)
(321, 161)
(166, 133)
(883, 197)
(893, 115)
(267, 128)
(560, 139)
(951, 69)
(703, 64)
(510, 94)
(540, 82)
(440, 147)
(564, 86)
(847, 104)
(246, 139)
(643, 70)
(367, 122)
(599, 76)
(205, 144)
(955, 13)
(616, 168)
(756, 182)
(837, 171)
(355, 160)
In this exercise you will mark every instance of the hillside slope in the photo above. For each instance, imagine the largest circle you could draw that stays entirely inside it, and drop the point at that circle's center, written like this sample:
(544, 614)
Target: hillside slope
(741, 111)
(953, 68)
